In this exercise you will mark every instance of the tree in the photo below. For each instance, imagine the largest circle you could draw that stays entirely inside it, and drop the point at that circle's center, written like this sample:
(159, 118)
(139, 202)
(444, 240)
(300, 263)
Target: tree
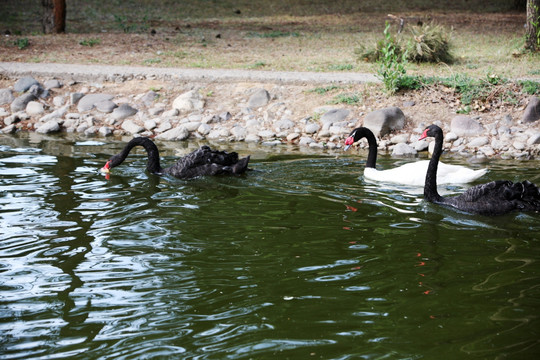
(54, 16)
(532, 37)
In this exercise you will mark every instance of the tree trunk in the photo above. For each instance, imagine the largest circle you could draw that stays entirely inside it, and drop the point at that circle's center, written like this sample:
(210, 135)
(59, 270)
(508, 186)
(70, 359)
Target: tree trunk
(532, 37)
(54, 16)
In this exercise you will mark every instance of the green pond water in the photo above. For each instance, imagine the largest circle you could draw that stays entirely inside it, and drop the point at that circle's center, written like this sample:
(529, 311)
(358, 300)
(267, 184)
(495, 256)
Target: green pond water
(298, 259)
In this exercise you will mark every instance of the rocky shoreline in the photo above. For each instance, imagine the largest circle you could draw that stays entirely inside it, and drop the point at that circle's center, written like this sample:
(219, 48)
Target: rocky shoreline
(265, 113)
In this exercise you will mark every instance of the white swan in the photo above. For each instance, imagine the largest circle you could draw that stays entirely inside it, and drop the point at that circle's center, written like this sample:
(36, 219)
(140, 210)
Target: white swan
(412, 173)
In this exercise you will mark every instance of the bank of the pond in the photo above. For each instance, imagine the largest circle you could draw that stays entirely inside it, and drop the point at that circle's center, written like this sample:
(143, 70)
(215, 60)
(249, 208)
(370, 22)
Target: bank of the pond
(314, 110)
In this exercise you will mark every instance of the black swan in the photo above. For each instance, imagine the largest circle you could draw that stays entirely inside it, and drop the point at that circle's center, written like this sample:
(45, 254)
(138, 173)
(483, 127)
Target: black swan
(203, 161)
(412, 173)
(493, 198)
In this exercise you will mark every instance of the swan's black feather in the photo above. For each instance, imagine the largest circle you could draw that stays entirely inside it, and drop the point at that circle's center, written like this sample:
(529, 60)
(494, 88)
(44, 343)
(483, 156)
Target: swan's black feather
(201, 162)
(493, 198)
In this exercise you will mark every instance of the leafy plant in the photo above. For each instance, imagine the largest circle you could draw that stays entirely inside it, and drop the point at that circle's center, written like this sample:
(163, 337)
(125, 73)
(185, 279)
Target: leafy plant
(429, 43)
(324, 90)
(349, 99)
(89, 42)
(530, 87)
(21, 43)
(392, 63)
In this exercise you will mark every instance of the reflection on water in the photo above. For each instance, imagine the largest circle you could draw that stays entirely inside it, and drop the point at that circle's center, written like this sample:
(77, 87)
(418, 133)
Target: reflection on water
(299, 258)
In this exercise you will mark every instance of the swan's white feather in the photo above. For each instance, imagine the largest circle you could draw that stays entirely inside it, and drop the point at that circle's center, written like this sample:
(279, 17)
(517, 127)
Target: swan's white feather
(414, 174)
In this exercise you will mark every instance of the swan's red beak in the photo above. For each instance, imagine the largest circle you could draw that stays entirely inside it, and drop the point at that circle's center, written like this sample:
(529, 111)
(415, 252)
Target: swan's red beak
(424, 135)
(348, 142)
(106, 168)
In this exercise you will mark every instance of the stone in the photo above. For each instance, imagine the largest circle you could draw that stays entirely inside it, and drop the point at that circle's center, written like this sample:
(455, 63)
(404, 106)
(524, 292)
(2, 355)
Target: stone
(10, 129)
(253, 138)
(260, 97)
(56, 114)
(450, 136)
(478, 142)
(384, 121)
(58, 101)
(401, 138)
(334, 115)
(155, 111)
(164, 126)
(191, 126)
(150, 124)
(284, 124)
(532, 111)
(87, 102)
(238, 132)
(463, 125)
(106, 106)
(305, 141)
(534, 139)
(19, 104)
(34, 108)
(38, 91)
(266, 134)
(204, 129)
(52, 84)
(123, 111)
(421, 145)
(75, 97)
(293, 136)
(25, 83)
(131, 127)
(188, 101)
(149, 98)
(403, 149)
(6, 96)
(12, 119)
(170, 113)
(3, 112)
(48, 127)
(311, 128)
(179, 133)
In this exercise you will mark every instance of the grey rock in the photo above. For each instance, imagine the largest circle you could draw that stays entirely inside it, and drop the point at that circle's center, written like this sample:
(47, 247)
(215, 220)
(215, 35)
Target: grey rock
(19, 104)
(293, 136)
(10, 129)
(131, 127)
(3, 112)
(179, 133)
(155, 111)
(149, 98)
(188, 101)
(252, 138)
(487, 150)
(450, 136)
(150, 124)
(38, 91)
(58, 113)
(12, 119)
(478, 142)
(532, 111)
(462, 125)
(58, 101)
(421, 145)
(238, 132)
(266, 134)
(191, 125)
(105, 131)
(75, 97)
(284, 124)
(106, 106)
(164, 126)
(170, 113)
(87, 102)
(6, 96)
(334, 115)
(52, 84)
(401, 138)
(25, 83)
(311, 128)
(123, 111)
(49, 127)
(90, 131)
(204, 129)
(383, 121)
(403, 149)
(305, 141)
(534, 139)
(260, 97)
(34, 108)
(225, 116)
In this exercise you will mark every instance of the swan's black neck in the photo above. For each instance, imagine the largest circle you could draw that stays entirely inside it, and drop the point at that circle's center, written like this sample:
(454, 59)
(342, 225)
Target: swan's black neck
(430, 187)
(152, 165)
(372, 142)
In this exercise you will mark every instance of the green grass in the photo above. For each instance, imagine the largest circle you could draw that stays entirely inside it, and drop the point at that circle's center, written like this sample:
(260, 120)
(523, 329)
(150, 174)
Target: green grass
(348, 99)
(324, 90)
(90, 42)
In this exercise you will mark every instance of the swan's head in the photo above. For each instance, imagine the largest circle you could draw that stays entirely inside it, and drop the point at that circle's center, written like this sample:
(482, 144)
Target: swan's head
(107, 167)
(354, 136)
(430, 131)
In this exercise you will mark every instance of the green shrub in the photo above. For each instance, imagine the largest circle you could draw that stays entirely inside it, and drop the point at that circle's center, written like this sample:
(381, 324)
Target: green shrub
(429, 43)
(89, 42)
(21, 43)
(392, 63)
(530, 87)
